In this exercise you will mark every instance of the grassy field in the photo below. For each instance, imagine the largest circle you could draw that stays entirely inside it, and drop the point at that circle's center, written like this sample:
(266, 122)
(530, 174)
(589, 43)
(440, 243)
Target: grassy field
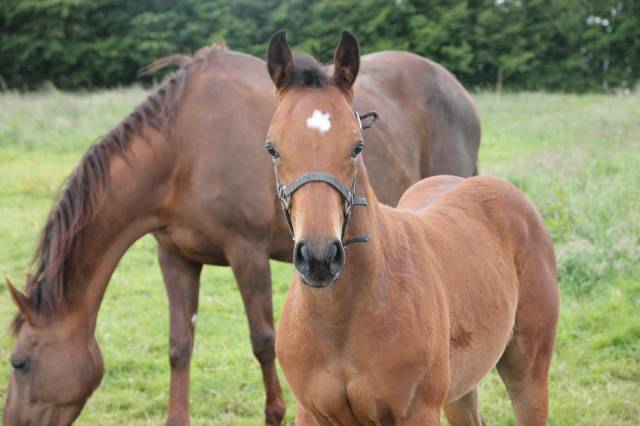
(576, 157)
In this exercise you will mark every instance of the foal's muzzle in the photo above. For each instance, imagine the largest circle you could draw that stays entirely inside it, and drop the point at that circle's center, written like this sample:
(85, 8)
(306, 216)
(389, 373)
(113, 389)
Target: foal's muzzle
(319, 262)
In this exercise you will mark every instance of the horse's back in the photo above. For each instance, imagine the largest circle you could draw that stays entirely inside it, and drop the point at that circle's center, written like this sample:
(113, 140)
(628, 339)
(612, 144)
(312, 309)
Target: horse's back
(485, 199)
(408, 87)
(493, 204)
(425, 192)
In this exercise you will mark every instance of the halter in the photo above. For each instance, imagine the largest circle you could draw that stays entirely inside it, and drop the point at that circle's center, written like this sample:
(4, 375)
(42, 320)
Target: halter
(285, 192)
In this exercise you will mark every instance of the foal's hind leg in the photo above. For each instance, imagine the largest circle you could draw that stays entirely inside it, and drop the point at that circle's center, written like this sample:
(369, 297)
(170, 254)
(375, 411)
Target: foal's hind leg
(524, 366)
(524, 374)
(465, 411)
(182, 282)
(251, 268)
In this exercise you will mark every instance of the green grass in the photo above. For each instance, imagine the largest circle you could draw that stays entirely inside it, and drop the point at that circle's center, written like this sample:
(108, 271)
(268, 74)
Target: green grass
(576, 157)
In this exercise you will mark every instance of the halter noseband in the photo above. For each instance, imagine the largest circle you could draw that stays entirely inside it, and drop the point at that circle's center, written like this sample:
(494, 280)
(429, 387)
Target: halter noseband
(348, 195)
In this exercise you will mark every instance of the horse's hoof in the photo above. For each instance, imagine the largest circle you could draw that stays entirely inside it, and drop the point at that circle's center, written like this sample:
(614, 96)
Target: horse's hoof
(274, 414)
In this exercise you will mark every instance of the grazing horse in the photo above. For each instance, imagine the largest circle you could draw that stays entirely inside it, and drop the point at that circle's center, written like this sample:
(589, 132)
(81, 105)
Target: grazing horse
(426, 299)
(185, 165)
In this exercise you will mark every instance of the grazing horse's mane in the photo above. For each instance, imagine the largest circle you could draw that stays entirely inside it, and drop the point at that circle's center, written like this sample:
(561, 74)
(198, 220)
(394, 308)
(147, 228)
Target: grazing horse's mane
(80, 197)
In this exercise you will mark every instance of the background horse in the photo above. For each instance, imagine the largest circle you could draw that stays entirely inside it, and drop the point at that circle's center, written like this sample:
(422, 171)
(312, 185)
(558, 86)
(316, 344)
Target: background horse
(187, 166)
(459, 278)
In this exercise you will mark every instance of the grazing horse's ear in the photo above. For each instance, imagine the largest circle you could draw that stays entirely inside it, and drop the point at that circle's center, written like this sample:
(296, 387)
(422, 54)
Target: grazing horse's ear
(346, 62)
(21, 301)
(279, 60)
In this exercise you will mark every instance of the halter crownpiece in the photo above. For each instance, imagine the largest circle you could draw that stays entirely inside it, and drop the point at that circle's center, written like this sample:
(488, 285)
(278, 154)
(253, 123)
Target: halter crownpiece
(348, 195)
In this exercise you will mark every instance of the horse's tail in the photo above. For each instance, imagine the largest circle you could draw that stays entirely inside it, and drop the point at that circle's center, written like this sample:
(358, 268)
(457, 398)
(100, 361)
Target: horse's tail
(173, 59)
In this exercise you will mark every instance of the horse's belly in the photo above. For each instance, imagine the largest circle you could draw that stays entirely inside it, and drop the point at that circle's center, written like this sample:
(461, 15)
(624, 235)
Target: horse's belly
(193, 244)
(477, 341)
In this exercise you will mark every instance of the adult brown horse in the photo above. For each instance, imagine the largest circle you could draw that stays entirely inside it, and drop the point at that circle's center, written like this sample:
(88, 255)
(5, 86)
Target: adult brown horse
(460, 277)
(187, 165)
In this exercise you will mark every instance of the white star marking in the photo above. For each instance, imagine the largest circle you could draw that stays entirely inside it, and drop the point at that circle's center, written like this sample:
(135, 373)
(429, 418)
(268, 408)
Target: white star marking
(319, 121)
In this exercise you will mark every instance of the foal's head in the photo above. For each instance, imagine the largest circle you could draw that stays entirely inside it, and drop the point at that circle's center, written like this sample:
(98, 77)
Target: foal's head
(56, 365)
(314, 130)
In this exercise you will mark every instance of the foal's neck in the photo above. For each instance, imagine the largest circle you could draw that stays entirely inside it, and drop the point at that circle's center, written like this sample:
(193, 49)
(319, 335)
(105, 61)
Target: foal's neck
(362, 282)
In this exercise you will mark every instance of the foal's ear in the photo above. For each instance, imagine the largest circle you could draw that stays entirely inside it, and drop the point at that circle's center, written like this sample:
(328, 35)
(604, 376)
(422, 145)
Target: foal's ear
(346, 62)
(279, 60)
(21, 301)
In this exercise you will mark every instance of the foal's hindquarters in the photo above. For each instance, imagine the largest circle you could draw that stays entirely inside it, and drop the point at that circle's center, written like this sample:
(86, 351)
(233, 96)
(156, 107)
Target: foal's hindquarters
(460, 278)
(502, 295)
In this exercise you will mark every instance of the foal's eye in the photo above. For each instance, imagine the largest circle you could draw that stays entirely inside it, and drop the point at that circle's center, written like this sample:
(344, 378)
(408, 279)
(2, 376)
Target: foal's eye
(272, 151)
(357, 149)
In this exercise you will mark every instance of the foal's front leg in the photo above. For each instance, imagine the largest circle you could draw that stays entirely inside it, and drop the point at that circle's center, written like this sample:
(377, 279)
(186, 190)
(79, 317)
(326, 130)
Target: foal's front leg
(182, 282)
(422, 416)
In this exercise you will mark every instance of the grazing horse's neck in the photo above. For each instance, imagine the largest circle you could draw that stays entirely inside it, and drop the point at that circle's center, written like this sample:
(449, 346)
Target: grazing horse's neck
(127, 210)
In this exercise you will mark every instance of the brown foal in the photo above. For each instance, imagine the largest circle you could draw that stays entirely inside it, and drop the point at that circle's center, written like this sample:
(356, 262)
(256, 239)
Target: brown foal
(459, 278)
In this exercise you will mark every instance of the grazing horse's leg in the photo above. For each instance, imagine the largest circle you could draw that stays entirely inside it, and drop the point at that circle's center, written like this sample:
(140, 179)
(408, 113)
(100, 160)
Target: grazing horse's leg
(465, 411)
(182, 282)
(253, 275)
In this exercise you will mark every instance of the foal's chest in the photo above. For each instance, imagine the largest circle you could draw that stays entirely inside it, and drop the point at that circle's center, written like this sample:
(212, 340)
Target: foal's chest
(333, 399)
(345, 393)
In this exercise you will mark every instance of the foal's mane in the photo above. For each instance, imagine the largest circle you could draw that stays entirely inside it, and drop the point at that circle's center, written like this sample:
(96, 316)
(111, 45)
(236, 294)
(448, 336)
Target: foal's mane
(79, 198)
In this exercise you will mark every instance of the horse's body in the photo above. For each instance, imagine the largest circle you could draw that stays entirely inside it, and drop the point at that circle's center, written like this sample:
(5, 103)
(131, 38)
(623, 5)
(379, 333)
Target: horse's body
(459, 278)
(187, 165)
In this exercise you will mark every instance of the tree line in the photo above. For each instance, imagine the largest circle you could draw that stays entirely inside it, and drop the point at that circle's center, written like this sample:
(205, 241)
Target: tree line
(554, 45)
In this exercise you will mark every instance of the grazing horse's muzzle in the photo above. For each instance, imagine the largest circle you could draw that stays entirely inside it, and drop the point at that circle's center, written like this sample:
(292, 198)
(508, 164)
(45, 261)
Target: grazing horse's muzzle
(319, 261)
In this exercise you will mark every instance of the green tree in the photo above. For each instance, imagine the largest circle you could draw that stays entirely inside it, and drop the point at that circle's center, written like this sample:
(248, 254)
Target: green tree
(500, 48)
(565, 45)
(440, 30)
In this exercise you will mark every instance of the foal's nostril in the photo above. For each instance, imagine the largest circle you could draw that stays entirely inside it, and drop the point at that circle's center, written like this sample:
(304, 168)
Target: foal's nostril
(301, 256)
(318, 261)
(336, 256)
